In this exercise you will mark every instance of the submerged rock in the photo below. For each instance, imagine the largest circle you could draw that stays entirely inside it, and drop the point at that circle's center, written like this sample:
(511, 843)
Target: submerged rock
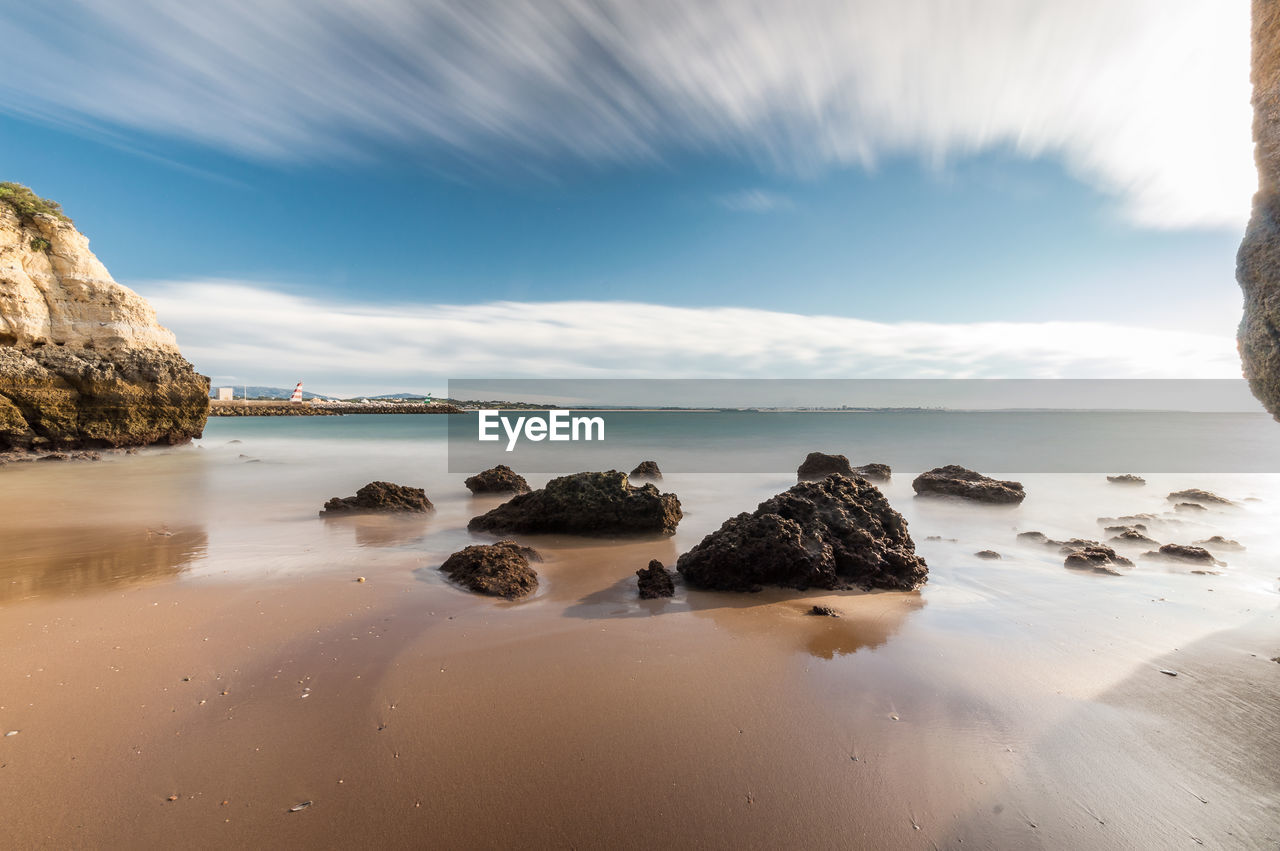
(1126, 479)
(837, 533)
(1133, 536)
(990, 555)
(1189, 507)
(1099, 558)
(498, 570)
(1181, 552)
(83, 360)
(499, 479)
(655, 581)
(1218, 542)
(1037, 538)
(956, 481)
(875, 472)
(380, 497)
(823, 612)
(1120, 530)
(1072, 544)
(1201, 497)
(586, 504)
(647, 470)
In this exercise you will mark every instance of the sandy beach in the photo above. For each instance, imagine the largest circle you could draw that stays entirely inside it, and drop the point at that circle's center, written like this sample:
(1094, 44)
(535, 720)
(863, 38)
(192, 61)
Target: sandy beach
(216, 664)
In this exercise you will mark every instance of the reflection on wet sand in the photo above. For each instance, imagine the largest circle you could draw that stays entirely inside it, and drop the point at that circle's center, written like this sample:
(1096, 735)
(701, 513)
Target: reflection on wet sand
(71, 561)
(382, 530)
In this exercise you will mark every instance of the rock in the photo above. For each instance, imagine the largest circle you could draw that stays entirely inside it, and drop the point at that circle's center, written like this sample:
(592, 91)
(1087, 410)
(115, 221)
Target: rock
(655, 581)
(1120, 530)
(498, 570)
(380, 497)
(940, 538)
(1180, 552)
(955, 481)
(1218, 542)
(875, 472)
(1133, 536)
(83, 361)
(1098, 558)
(1038, 538)
(823, 612)
(837, 533)
(1134, 520)
(1258, 262)
(647, 470)
(819, 465)
(499, 479)
(1198, 496)
(1072, 544)
(1189, 507)
(990, 555)
(586, 504)
(1126, 479)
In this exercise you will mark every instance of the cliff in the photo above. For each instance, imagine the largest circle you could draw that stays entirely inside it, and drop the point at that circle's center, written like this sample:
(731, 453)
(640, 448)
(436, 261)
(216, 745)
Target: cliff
(83, 361)
(1258, 263)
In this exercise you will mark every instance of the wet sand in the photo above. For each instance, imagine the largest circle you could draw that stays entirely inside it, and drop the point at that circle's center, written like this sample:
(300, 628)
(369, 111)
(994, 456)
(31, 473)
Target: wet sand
(1007, 704)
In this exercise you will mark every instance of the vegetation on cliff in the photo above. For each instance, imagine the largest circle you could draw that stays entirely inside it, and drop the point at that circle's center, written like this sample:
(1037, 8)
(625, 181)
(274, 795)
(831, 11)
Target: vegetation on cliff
(28, 204)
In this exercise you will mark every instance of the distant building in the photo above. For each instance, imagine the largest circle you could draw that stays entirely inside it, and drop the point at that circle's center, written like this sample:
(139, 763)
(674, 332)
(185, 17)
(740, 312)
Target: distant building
(226, 394)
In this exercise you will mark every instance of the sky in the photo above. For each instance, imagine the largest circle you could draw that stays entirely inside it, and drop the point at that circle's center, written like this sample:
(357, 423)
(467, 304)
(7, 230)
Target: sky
(378, 196)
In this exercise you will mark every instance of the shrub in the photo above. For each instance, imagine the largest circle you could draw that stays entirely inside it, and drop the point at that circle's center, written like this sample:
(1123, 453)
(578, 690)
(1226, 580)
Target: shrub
(27, 204)
(40, 244)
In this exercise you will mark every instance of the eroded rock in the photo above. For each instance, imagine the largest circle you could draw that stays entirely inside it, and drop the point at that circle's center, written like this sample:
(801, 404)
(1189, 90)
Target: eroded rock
(499, 479)
(1183, 553)
(956, 481)
(1217, 542)
(819, 465)
(498, 570)
(1099, 558)
(380, 497)
(1126, 479)
(655, 581)
(837, 533)
(585, 504)
(1199, 497)
(646, 470)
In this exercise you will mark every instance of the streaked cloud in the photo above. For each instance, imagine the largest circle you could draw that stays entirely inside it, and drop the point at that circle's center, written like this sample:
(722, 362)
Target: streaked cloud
(755, 201)
(1145, 99)
(244, 332)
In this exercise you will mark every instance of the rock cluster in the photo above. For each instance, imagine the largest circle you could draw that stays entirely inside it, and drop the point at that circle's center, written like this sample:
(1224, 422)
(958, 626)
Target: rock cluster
(498, 570)
(655, 581)
(837, 533)
(819, 465)
(956, 481)
(599, 504)
(83, 361)
(499, 479)
(380, 497)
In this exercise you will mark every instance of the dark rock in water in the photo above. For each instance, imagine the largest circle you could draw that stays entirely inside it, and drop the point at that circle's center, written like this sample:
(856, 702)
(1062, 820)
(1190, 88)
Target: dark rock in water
(819, 465)
(1098, 558)
(380, 497)
(823, 612)
(1129, 520)
(837, 533)
(1037, 538)
(647, 470)
(655, 581)
(1180, 552)
(498, 570)
(1189, 506)
(875, 472)
(1072, 544)
(940, 538)
(1126, 479)
(1133, 536)
(990, 555)
(586, 504)
(1198, 496)
(1218, 542)
(499, 479)
(1120, 530)
(954, 480)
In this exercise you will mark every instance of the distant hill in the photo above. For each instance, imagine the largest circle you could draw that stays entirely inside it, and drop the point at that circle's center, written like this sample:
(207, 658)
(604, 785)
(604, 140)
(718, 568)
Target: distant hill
(264, 392)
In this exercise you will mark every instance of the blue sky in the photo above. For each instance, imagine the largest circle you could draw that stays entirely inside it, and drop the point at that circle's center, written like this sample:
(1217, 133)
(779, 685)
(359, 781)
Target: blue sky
(1078, 163)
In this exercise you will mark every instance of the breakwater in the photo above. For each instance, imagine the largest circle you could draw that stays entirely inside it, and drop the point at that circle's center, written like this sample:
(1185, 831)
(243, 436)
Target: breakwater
(283, 408)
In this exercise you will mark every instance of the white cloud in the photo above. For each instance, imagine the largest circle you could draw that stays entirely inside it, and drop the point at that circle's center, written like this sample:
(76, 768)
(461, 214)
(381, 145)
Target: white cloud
(755, 201)
(244, 332)
(1147, 99)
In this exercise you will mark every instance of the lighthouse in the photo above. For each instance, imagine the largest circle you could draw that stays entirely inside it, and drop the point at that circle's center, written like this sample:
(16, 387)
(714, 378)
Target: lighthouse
(297, 393)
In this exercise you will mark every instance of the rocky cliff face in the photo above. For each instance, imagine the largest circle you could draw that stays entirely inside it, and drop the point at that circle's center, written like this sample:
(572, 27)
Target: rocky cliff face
(83, 361)
(1258, 264)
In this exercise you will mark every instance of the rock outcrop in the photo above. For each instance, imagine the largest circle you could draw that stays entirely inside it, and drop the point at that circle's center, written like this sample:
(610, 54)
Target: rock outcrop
(838, 533)
(956, 481)
(380, 497)
(498, 570)
(83, 361)
(598, 504)
(1183, 553)
(647, 470)
(655, 581)
(499, 479)
(1126, 479)
(1199, 497)
(1258, 262)
(819, 465)
(1098, 558)
(1217, 542)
